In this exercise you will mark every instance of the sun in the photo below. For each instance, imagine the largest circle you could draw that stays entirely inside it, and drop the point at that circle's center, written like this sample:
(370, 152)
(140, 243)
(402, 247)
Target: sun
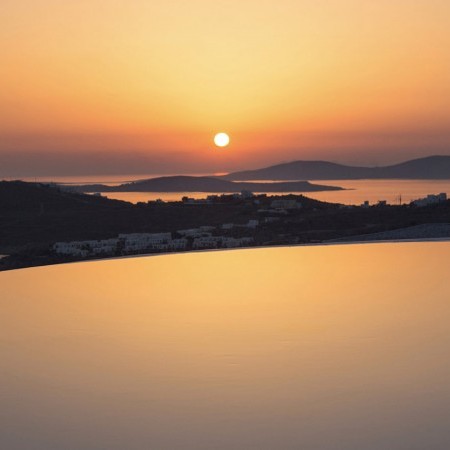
(221, 139)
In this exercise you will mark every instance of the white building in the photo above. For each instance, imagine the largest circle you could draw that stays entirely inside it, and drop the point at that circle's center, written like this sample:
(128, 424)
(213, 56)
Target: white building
(70, 248)
(229, 242)
(162, 247)
(149, 237)
(86, 248)
(430, 199)
(178, 244)
(104, 247)
(195, 232)
(206, 242)
(144, 241)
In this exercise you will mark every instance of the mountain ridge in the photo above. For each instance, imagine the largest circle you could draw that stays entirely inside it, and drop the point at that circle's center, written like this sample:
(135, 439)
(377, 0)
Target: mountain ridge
(430, 167)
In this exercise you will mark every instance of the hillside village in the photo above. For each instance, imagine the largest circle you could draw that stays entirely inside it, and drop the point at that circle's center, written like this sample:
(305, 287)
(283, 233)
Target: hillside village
(129, 244)
(43, 224)
(203, 237)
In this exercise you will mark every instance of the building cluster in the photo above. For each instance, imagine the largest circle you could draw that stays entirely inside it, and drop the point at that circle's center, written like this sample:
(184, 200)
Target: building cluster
(203, 231)
(279, 207)
(203, 236)
(430, 199)
(136, 242)
(380, 203)
(86, 248)
(220, 241)
(216, 198)
(124, 244)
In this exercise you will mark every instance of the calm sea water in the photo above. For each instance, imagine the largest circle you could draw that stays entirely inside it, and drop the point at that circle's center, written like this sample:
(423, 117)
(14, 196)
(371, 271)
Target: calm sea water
(325, 348)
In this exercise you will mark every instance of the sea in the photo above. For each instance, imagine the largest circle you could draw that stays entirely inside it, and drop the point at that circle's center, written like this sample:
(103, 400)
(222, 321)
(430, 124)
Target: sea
(320, 347)
(356, 191)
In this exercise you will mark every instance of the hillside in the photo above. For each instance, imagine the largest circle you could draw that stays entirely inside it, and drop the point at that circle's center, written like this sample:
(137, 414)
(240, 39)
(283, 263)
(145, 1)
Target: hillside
(19, 196)
(433, 167)
(34, 215)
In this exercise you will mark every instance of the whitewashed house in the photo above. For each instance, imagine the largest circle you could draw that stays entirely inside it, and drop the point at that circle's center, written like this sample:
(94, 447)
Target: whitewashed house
(206, 242)
(430, 199)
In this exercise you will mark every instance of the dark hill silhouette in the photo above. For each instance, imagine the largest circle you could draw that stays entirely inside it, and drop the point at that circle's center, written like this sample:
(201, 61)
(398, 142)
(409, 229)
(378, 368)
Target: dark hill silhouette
(34, 197)
(432, 167)
(203, 184)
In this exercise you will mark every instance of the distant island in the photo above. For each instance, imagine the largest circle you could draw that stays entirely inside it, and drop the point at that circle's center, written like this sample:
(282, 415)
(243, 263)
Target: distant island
(430, 168)
(203, 184)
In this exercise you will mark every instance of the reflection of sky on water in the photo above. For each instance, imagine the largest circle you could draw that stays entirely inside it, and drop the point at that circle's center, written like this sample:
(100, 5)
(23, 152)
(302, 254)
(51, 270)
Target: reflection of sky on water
(333, 347)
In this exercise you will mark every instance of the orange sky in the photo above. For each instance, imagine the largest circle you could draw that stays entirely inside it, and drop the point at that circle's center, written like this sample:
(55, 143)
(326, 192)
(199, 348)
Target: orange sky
(144, 85)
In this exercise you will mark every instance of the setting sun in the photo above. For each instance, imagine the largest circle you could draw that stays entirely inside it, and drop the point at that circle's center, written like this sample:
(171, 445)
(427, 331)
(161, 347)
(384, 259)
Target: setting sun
(221, 139)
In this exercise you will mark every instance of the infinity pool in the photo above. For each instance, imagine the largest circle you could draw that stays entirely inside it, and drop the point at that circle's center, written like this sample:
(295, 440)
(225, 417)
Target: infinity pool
(340, 347)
